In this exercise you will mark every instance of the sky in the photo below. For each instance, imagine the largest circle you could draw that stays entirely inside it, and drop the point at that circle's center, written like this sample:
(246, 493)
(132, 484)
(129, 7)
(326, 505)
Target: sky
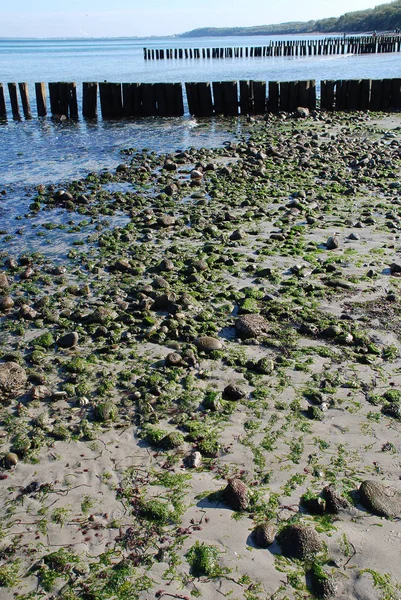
(114, 18)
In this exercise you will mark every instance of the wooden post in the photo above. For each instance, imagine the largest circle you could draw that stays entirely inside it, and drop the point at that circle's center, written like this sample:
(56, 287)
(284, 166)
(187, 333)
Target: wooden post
(149, 106)
(72, 100)
(353, 100)
(26, 106)
(40, 92)
(62, 89)
(376, 95)
(89, 100)
(245, 97)
(341, 95)
(284, 95)
(111, 100)
(258, 92)
(274, 96)
(312, 94)
(218, 101)
(386, 94)
(132, 100)
(3, 111)
(12, 90)
(364, 98)
(396, 94)
(230, 95)
(53, 94)
(169, 99)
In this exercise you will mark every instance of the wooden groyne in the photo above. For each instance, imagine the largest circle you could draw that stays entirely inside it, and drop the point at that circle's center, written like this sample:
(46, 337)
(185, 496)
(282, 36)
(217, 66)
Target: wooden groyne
(372, 44)
(203, 99)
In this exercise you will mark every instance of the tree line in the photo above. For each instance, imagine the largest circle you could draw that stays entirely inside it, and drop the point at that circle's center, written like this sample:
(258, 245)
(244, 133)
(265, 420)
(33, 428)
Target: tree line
(385, 17)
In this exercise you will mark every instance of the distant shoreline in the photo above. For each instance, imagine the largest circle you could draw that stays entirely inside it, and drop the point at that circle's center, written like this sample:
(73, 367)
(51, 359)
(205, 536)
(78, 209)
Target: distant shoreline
(183, 37)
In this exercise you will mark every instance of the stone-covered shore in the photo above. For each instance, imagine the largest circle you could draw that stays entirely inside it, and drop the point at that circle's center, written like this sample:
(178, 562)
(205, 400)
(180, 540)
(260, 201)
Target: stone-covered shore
(206, 401)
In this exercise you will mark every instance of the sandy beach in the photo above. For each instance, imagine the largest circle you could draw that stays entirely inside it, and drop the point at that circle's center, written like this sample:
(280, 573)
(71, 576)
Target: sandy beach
(206, 402)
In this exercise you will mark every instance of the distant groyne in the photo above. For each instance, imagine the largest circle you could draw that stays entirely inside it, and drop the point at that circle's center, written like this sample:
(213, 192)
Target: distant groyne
(203, 99)
(370, 44)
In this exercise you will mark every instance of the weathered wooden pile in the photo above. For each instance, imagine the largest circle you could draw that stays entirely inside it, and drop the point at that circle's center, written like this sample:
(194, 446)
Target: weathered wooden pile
(372, 44)
(203, 99)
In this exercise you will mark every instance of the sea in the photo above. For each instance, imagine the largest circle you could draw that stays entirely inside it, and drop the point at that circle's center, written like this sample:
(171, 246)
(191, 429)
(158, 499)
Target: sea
(40, 150)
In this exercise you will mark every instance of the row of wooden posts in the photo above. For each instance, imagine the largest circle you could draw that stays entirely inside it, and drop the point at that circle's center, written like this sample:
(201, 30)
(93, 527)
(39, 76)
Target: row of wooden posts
(133, 100)
(327, 46)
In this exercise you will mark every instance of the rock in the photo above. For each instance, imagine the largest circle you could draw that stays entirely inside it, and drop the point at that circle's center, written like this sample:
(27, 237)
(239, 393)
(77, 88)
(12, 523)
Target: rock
(193, 460)
(172, 440)
(339, 283)
(251, 326)
(265, 366)
(6, 303)
(233, 392)
(3, 281)
(299, 541)
(170, 189)
(332, 243)
(68, 340)
(354, 236)
(264, 535)
(315, 506)
(170, 165)
(39, 392)
(166, 221)
(122, 265)
(10, 460)
(12, 378)
(163, 301)
(302, 112)
(200, 265)
(102, 315)
(208, 344)
(238, 234)
(196, 175)
(166, 265)
(380, 499)
(395, 268)
(26, 312)
(160, 283)
(173, 359)
(321, 583)
(334, 502)
(236, 494)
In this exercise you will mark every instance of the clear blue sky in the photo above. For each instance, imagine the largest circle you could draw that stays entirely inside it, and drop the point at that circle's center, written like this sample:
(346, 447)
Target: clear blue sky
(112, 18)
